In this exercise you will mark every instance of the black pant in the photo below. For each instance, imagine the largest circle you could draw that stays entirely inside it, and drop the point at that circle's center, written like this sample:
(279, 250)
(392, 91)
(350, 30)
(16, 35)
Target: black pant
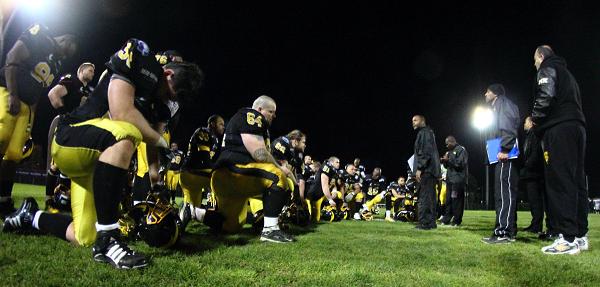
(505, 194)
(567, 195)
(534, 188)
(427, 201)
(455, 203)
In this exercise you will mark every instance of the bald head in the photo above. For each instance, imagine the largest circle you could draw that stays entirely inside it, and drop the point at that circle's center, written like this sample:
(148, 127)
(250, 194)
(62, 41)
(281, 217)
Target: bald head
(418, 121)
(541, 53)
(266, 106)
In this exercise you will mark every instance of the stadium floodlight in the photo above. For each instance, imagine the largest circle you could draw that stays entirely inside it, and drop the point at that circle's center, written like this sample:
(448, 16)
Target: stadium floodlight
(482, 118)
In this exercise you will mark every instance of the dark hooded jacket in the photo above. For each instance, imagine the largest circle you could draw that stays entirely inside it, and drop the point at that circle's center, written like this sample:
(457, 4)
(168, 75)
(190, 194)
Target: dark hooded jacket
(506, 122)
(427, 158)
(557, 96)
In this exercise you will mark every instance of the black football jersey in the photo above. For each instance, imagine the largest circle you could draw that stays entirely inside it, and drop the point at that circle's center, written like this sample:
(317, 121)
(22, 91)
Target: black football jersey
(135, 64)
(282, 149)
(75, 91)
(245, 121)
(349, 180)
(202, 152)
(331, 172)
(374, 186)
(42, 67)
(176, 161)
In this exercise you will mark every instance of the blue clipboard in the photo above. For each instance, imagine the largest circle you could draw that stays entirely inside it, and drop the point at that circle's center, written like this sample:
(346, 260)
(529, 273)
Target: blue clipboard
(493, 148)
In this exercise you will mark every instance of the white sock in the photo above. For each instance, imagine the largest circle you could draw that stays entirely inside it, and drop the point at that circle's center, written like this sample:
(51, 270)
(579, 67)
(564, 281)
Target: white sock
(36, 219)
(365, 207)
(106, 227)
(387, 213)
(271, 223)
(136, 202)
(198, 214)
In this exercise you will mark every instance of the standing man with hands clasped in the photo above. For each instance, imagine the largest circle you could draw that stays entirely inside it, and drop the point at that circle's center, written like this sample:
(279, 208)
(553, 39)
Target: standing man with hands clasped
(427, 172)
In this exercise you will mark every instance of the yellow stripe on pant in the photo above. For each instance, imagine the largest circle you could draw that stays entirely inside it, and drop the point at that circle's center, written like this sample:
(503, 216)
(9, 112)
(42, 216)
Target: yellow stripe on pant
(233, 186)
(76, 157)
(14, 130)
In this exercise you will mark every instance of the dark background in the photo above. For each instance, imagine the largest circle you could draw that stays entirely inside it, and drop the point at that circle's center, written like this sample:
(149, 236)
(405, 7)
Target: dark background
(350, 75)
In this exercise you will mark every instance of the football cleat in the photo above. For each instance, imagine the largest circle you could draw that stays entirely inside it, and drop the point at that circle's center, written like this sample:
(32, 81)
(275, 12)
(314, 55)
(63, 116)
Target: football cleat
(498, 239)
(185, 215)
(276, 236)
(22, 219)
(109, 249)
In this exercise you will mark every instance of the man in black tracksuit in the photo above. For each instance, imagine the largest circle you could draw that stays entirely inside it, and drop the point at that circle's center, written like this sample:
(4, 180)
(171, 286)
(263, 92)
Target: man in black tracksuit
(456, 163)
(558, 118)
(427, 172)
(506, 122)
(532, 180)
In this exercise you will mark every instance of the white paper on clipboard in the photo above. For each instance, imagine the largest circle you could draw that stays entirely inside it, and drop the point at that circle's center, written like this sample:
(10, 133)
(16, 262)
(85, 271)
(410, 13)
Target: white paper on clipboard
(411, 163)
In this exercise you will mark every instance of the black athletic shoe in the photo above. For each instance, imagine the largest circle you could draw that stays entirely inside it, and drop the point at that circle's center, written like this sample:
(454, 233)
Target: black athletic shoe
(423, 227)
(276, 236)
(110, 249)
(498, 239)
(6, 208)
(22, 219)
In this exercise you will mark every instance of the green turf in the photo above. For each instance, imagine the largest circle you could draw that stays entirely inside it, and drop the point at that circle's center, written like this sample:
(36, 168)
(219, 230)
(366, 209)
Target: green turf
(333, 254)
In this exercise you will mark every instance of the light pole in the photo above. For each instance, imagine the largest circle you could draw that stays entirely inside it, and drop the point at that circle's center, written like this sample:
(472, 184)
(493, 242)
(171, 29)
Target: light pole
(481, 120)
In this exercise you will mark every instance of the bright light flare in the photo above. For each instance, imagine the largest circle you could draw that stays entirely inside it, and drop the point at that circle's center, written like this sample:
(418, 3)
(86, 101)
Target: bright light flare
(482, 118)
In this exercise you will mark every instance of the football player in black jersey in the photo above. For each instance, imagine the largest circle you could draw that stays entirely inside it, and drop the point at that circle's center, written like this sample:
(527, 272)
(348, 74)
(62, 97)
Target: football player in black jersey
(322, 189)
(246, 169)
(145, 177)
(173, 170)
(360, 169)
(31, 66)
(374, 188)
(203, 150)
(69, 93)
(133, 91)
(354, 195)
(396, 192)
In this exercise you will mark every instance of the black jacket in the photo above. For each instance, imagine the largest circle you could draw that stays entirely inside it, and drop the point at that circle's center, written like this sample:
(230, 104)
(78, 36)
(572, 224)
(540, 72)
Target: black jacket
(557, 96)
(506, 122)
(532, 155)
(457, 165)
(427, 158)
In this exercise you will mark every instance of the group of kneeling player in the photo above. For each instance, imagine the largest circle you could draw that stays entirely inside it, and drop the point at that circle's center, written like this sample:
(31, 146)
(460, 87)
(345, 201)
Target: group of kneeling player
(108, 144)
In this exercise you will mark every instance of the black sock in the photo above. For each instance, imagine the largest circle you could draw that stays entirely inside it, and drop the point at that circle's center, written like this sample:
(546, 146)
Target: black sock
(109, 180)
(51, 180)
(55, 224)
(273, 200)
(388, 201)
(6, 186)
(141, 187)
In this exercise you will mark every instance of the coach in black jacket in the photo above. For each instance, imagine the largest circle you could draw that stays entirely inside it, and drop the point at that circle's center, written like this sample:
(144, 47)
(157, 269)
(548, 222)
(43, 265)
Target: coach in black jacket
(456, 162)
(506, 123)
(427, 172)
(558, 117)
(532, 179)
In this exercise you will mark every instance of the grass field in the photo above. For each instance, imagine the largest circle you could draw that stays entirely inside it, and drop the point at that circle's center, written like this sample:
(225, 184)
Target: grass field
(331, 254)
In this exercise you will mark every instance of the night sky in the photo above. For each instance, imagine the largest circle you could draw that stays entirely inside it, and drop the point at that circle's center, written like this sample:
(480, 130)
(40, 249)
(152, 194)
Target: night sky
(351, 75)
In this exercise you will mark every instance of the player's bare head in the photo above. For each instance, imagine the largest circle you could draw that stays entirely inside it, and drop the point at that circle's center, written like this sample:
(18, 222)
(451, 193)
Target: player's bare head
(376, 172)
(67, 45)
(85, 72)
(418, 121)
(184, 80)
(401, 180)
(351, 169)
(174, 146)
(266, 106)
(334, 161)
(308, 159)
(542, 52)
(297, 139)
(216, 124)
